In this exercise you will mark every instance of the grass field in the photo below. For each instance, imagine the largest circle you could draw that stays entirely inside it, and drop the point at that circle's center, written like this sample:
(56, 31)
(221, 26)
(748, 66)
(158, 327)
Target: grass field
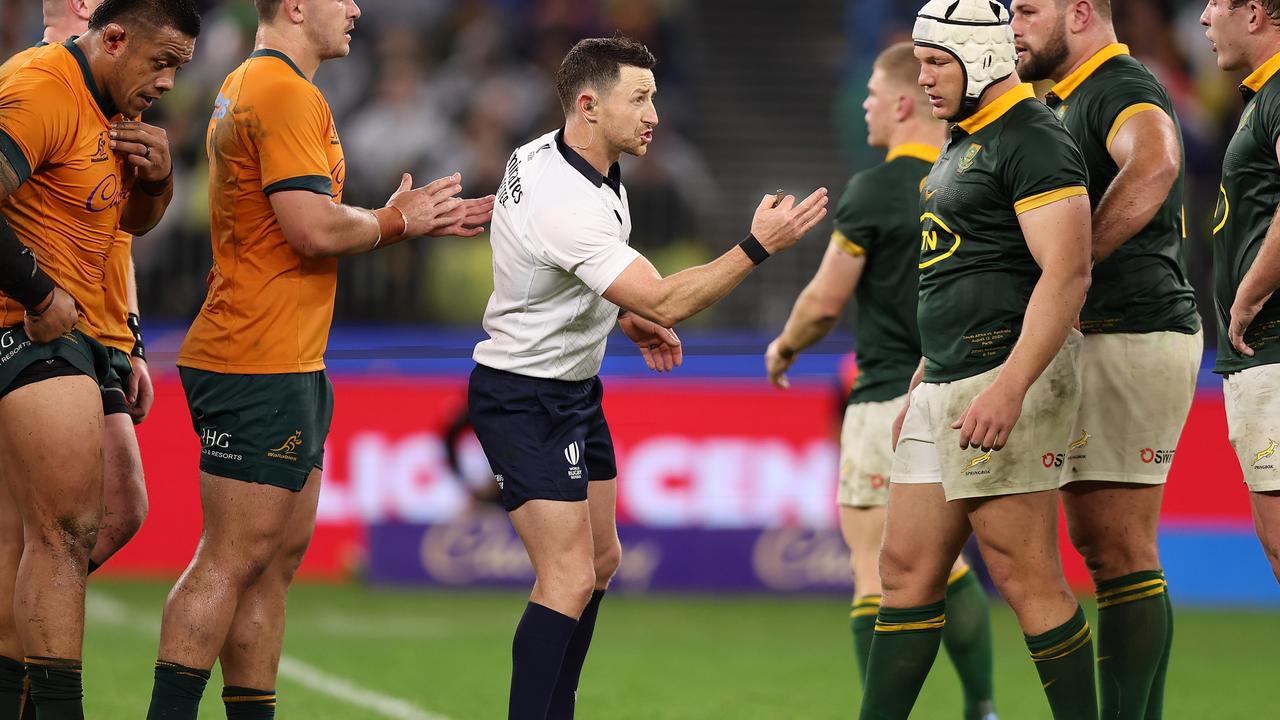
(354, 653)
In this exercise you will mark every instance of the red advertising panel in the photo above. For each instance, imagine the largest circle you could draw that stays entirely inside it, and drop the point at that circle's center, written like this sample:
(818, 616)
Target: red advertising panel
(701, 454)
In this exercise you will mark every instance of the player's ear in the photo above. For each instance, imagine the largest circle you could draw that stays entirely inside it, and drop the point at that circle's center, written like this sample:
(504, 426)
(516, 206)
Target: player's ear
(904, 109)
(292, 9)
(80, 8)
(114, 38)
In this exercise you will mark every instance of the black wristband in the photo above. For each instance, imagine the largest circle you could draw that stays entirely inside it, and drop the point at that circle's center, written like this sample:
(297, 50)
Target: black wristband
(754, 250)
(20, 275)
(135, 326)
(160, 186)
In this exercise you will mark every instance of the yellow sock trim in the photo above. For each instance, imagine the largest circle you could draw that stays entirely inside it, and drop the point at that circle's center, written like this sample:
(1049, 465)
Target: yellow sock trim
(865, 605)
(958, 575)
(936, 623)
(1111, 599)
(1064, 648)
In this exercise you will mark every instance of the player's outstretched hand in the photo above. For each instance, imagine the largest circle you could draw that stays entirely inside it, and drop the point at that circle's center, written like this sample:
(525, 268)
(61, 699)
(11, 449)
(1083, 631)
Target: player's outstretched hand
(1242, 315)
(476, 213)
(140, 394)
(989, 418)
(778, 228)
(659, 346)
(54, 320)
(429, 208)
(777, 361)
(145, 147)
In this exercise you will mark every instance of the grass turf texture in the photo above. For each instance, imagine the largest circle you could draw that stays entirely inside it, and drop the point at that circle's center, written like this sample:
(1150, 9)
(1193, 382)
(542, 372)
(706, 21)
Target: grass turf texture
(448, 653)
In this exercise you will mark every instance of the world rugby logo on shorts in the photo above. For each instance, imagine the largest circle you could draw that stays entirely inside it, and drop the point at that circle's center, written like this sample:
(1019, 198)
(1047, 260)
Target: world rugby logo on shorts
(571, 454)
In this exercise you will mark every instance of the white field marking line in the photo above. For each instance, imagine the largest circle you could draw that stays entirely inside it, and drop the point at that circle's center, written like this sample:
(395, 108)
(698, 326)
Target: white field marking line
(104, 608)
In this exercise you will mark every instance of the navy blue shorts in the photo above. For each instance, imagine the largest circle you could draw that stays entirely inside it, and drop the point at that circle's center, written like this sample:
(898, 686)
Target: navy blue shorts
(545, 439)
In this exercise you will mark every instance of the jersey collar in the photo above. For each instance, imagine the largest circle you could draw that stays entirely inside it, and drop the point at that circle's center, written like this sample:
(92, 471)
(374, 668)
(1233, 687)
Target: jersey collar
(268, 52)
(614, 179)
(1069, 83)
(997, 108)
(107, 107)
(919, 151)
(1259, 77)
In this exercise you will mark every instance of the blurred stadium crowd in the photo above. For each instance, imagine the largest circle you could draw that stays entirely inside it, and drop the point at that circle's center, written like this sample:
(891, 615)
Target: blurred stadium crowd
(750, 94)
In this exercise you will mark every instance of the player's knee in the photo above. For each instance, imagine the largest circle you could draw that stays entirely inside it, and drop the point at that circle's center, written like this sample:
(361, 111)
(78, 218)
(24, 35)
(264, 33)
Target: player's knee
(909, 577)
(290, 559)
(607, 561)
(70, 535)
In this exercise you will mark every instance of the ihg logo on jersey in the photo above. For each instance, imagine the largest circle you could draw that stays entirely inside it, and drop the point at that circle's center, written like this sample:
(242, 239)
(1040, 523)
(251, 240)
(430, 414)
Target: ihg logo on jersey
(1159, 457)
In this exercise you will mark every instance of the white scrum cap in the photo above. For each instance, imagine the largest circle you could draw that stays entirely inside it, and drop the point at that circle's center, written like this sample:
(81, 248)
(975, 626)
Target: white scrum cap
(977, 33)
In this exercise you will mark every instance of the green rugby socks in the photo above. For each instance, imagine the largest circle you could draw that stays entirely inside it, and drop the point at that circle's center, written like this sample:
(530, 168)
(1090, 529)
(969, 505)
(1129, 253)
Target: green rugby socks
(56, 689)
(13, 688)
(967, 638)
(1155, 701)
(1064, 659)
(244, 703)
(862, 621)
(1134, 630)
(905, 645)
(177, 692)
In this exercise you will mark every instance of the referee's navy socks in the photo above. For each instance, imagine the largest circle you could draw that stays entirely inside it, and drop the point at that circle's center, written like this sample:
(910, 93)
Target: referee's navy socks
(536, 655)
(565, 695)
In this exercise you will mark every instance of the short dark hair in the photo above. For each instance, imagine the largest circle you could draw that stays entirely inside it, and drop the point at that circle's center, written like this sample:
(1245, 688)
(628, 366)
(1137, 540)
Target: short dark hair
(267, 9)
(1270, 7)
(181, 15)
(595, 63)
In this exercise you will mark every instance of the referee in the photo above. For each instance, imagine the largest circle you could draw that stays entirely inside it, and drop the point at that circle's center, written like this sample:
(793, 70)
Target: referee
(562, 269)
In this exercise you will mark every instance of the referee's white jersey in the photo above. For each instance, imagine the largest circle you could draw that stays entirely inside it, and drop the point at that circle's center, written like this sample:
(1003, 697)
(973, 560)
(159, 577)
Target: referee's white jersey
(560, 234)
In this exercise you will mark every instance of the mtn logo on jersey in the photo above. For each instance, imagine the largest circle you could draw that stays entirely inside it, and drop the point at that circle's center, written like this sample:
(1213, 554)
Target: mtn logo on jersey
(1268, 451)
(1159, 457)
(572, 455)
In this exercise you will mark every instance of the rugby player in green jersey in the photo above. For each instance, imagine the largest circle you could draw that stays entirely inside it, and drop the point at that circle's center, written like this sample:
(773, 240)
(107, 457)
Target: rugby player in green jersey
(1142, 345)
(874, 251)
(1246, 255)
(1004, 268)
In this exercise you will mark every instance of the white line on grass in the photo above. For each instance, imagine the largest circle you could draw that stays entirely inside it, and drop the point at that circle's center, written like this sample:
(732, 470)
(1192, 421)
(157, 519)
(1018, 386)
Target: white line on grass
(104, 608)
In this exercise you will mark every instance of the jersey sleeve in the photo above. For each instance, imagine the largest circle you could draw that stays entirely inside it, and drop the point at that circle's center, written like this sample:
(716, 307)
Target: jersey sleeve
(37, 120)
(584, 241)
(1044, 165)
(855, 225)
(292, 131)
(1125, 99)
(1266, 123)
